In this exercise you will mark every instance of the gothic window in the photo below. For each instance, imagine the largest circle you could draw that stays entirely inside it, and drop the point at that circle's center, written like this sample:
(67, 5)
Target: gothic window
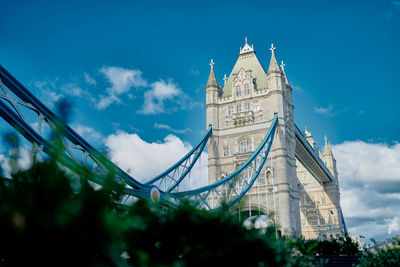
(255, 83)
(238, 91)
(269, 177)
(322, 221)
(246, 89)
(230, 111)
(256, 106)
(226, 151)
(238, 108)
(244, 146)
(313, 220)
(247, 107)
(323, 200)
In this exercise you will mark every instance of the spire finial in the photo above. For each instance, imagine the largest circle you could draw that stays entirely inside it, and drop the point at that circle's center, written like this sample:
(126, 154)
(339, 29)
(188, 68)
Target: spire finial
(326, 140)
(272, 49)
(283, 65)
(212, 64)
(246, 48)
(225, 79)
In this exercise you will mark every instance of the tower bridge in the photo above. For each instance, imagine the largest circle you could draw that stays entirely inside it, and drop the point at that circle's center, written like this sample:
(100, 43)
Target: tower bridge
(259, 161)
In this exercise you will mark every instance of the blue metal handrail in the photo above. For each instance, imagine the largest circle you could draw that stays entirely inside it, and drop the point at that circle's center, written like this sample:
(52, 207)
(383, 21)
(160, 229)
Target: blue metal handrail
(19, 90)
(201, 144)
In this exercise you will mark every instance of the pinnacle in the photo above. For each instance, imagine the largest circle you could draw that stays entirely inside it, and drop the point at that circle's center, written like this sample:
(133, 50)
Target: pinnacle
(212, 80)
(328, 150)
(283, 72)
(273, 65)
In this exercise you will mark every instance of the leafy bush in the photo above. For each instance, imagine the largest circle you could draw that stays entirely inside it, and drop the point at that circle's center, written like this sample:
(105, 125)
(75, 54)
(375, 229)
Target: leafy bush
(389, 257)
(186, 236)
(44, 221)
(343, 246)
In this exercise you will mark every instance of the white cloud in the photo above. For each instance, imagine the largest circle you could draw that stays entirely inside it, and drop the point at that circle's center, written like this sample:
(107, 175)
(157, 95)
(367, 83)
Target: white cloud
(297, 89)
(53, 90)
(394, 5)
(121, 80)
(87, 132)
(145, 160)
(154, 99)
(49, 91)
(329, 111)
(394, 226)
(169, 128)
(194, 71)
(89, 79)
(24, 161)
(324, 110)
(369, 178)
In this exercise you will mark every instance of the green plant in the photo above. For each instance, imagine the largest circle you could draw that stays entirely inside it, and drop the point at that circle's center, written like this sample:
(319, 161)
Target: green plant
(43, 221)
(389, 256)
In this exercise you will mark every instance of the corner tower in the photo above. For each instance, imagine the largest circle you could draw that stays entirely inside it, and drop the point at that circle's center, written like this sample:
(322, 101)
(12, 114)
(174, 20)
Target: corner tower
(241, 112)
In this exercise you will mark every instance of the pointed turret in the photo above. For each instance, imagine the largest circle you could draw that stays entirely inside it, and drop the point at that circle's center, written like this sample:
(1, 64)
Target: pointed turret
(273, 64)
(212, 80)
(330, 159)
(284, 74)
(311, 141)
(327, 150)
(212, 94)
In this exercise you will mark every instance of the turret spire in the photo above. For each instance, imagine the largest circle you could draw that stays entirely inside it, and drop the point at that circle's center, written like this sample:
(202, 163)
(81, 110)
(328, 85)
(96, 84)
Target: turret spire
(212, 81)
(283, 72)
(327, 150)
(273, 65)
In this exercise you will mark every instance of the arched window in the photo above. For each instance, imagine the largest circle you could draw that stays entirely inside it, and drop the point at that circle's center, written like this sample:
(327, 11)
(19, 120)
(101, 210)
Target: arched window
(269, 177)
(238, 90)
(244, 146)
(246, 89)
(231, 110)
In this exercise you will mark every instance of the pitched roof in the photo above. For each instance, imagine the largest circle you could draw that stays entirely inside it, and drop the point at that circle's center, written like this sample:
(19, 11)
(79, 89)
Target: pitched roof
(212, 80)
(246, 61)
(273, 64)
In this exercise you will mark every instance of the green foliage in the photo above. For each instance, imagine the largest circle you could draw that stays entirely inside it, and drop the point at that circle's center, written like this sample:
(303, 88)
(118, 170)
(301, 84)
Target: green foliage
(186, 236)
(343, 246)
(43, 221)
(389, 257)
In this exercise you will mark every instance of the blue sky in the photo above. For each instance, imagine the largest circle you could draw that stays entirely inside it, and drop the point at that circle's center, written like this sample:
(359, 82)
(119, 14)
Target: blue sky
(342, 59)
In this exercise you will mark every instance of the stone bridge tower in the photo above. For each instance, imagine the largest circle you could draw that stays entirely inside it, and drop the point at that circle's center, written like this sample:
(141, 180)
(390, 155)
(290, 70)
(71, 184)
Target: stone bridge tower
(241, 111)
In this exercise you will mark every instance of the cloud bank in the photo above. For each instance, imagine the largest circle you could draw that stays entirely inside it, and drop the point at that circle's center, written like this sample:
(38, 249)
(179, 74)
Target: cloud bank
(121, 81)
(144, 160)
(369, 178)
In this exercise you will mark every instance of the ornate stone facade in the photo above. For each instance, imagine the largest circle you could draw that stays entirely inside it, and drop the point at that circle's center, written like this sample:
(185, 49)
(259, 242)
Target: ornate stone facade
(241, 112)
(320, 211)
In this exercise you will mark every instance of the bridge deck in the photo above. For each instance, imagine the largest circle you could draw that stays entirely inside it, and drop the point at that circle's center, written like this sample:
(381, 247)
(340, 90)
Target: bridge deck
(310, 159)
